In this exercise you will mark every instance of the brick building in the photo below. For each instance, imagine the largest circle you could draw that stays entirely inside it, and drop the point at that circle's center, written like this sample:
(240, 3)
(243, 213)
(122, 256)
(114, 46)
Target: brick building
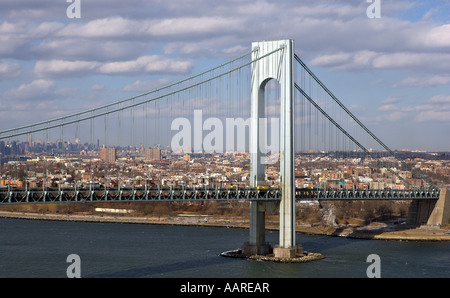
(153, 154)
(108, 154)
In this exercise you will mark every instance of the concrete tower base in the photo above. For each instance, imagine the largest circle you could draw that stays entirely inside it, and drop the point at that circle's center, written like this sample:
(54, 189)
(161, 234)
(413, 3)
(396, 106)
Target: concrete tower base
(441, 211)
(288, 253)
(429, 212)
(253, 250)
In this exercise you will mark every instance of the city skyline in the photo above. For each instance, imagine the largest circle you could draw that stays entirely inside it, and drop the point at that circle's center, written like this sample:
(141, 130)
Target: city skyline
(392, 72)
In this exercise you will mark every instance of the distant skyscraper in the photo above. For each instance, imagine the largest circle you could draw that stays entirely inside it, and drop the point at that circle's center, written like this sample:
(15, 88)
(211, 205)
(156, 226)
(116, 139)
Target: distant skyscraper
(108, 154)
(153, 154)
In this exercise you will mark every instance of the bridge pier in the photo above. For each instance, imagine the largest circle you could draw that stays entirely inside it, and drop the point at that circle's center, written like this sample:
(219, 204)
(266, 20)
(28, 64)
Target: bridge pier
(430, 212)
(257, 244)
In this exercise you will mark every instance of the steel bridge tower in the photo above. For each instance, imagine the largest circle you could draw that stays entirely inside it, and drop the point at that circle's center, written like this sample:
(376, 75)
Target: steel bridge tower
(278, 66)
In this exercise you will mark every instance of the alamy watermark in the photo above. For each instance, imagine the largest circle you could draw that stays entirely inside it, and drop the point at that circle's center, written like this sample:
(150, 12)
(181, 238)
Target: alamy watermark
(74, 269)
(73, 11)
(374, 269)
(214, 136)
(374, 9)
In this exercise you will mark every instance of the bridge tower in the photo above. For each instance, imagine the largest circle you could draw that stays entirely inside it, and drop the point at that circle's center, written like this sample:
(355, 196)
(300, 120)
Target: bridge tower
(278, 66)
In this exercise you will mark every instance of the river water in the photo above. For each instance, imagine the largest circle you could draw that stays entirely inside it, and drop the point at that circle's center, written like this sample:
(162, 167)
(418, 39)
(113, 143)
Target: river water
(35, 248)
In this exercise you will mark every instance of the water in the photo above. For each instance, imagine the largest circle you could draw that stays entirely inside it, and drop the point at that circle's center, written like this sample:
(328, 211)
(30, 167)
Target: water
(32, 248)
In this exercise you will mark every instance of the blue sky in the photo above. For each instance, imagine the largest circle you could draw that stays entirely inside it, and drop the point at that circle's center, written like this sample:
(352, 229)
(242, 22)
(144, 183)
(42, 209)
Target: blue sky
(393, 72)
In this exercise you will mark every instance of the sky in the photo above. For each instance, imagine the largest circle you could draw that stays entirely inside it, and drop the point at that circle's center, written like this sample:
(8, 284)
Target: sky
(391, 71)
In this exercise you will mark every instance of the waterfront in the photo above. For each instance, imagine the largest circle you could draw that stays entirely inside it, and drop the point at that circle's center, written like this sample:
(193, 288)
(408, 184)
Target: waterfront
(35, 248)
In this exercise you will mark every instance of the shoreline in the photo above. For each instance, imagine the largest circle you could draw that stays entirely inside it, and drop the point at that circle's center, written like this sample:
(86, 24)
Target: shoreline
(423, 233)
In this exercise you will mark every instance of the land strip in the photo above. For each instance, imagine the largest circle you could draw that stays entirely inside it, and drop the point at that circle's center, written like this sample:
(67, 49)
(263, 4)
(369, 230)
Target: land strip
(378, 232)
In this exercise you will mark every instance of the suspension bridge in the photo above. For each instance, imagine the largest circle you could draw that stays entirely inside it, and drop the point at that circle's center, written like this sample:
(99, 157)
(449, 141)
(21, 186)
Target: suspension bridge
(266, 103)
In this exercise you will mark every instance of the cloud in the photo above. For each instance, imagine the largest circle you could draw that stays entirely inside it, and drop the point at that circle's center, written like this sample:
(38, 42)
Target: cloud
(432, 81)
(419, 61)
(438, 37)
(434, 109)
(147, 64)
(142, 65)
(33, 90)
(98, 87)
(366, 60)
(140, 86)
(119, 27)
(47, 40)
(440, 99)
(393, 116)
(13, 37)
(60, 67)
(73, 48)
(433, 115)
(9, 70)
(101, 28)
(387, 107)
(391, 100)
(335, 34)
(46, 29)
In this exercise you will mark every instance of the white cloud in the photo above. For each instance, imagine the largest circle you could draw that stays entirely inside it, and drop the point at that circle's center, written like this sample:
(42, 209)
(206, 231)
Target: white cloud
(387, 107)
(417, 61)
(366, 60)
(391, 100)
(434, 109)
(140, 86)
(394, 116)
(432, 81)
(92, 50)
(35, 89)
(433, 115)
(10, 28)
(46, 29)
(181, 26)
(338, 35)
(60, 67)
(12, 38)
(195, 26)
(102, 28)
(142, 65)
(9, 70)
(98, 87)
(438, 36)
(332, 59)
(440, 99)
(147, 64)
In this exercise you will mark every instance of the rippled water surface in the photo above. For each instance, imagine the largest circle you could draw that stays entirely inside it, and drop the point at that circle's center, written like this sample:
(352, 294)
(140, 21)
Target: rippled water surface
(34, 248)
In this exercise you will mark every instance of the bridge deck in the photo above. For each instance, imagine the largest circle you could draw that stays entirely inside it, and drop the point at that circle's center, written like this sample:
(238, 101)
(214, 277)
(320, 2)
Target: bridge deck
(77, 195)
